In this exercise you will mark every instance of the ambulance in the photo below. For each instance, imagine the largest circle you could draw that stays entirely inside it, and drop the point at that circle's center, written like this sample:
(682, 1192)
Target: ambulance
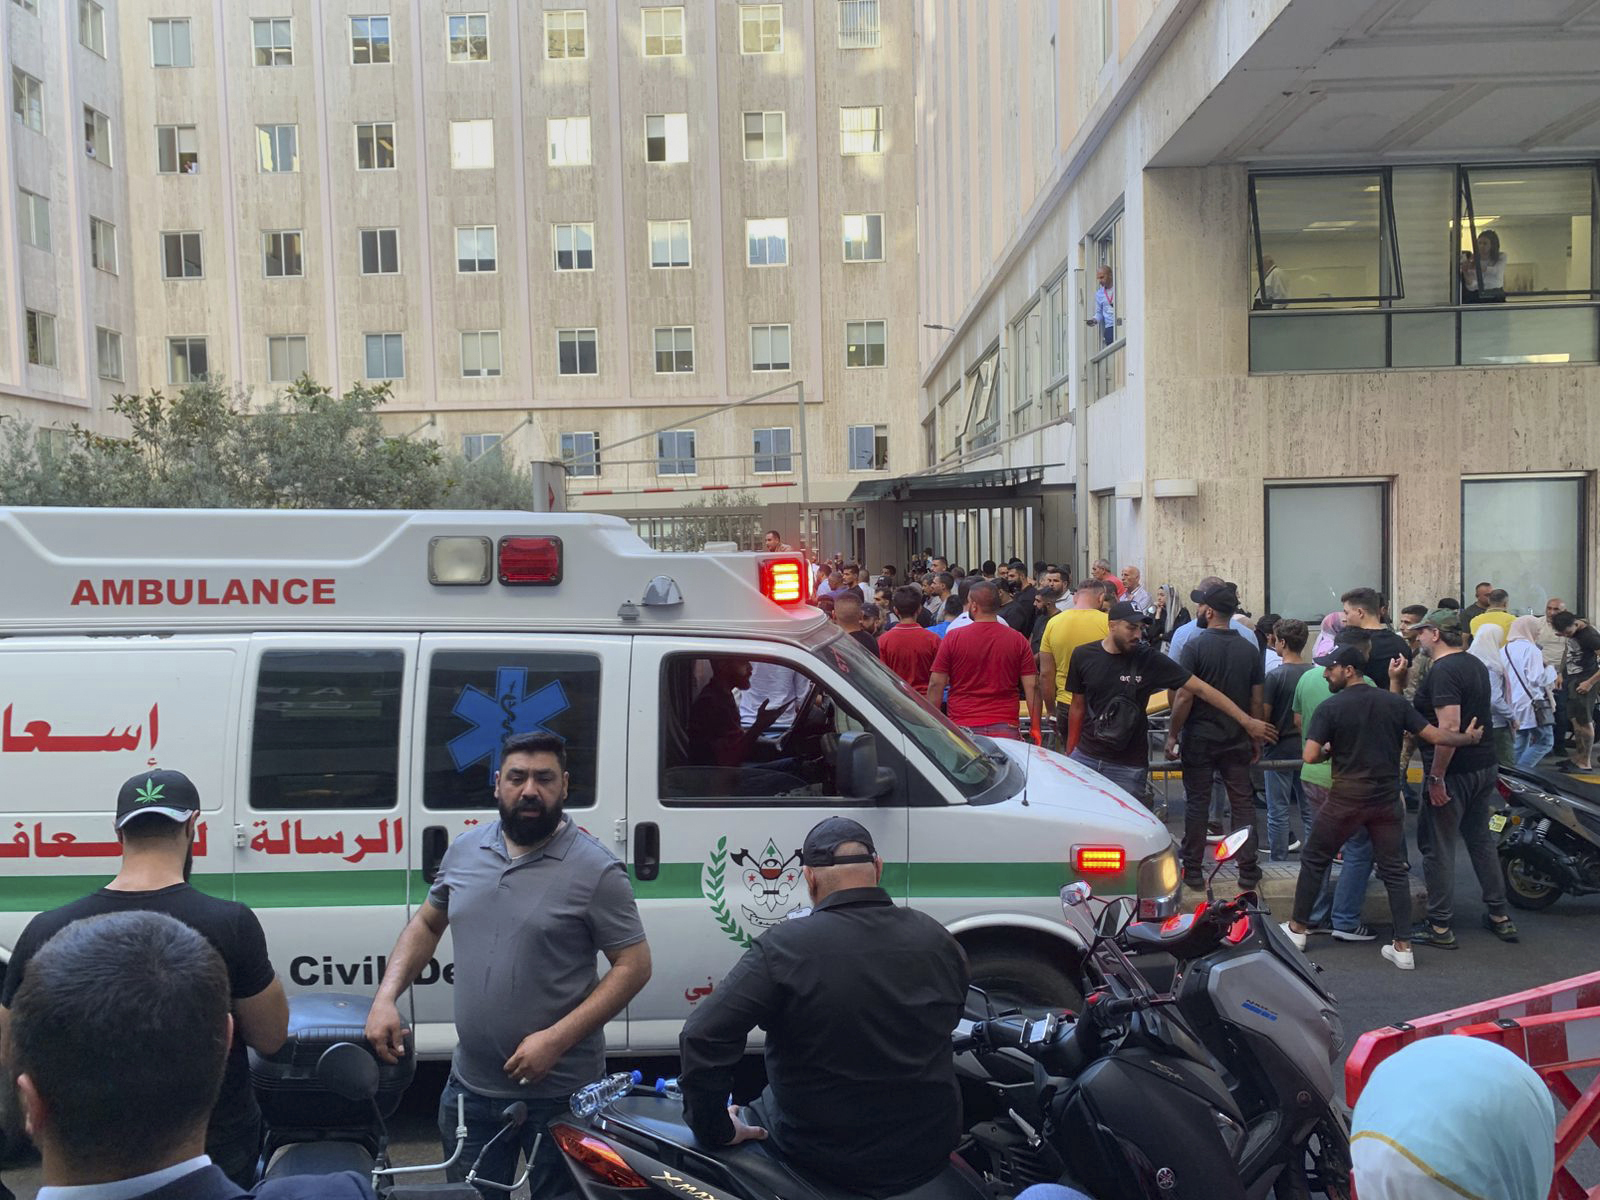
(338, 684)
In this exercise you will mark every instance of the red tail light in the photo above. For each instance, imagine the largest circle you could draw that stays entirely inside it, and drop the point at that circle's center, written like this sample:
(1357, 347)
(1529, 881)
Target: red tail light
(530, 560)
(783, 580)
(599, 1158)
(1096, 860)
(1503, 789)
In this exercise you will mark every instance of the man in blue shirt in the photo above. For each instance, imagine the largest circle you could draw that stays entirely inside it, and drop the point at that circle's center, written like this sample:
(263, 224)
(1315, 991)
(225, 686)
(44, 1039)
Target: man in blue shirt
(1105, 314)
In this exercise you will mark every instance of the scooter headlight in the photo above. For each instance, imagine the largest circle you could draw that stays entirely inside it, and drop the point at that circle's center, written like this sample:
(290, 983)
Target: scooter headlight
(1160, 885)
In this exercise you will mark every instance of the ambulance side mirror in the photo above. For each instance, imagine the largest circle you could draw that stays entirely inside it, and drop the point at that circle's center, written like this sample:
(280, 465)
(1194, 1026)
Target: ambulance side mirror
(856, 769)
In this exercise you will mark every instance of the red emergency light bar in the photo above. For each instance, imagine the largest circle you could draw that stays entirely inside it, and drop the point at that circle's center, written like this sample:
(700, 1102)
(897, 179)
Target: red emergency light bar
(530, 561)
(1098, 859)
(783, 581)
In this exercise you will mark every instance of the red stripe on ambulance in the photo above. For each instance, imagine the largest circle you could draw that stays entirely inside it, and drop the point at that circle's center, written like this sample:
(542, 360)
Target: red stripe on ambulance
(114, 593)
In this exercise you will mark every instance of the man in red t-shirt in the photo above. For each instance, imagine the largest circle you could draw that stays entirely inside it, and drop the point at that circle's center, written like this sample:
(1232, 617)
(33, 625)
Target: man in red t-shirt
(906, 648)
(983, 663)
(1102, 571)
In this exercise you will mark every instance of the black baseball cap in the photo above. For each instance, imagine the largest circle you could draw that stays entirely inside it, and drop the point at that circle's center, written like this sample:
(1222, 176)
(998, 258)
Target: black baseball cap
(1343, 656)
(168, 793)
(1224, 597)
(828, 835)
(1123, 610)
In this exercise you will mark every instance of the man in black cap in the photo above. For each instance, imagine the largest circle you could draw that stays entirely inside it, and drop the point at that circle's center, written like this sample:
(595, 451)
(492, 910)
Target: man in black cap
(156, 817)
(858, 998)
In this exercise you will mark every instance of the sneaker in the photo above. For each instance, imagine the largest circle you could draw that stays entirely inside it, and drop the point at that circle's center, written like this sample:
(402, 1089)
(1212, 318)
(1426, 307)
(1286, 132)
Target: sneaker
(1359, 934)
(1403, 959)
(1321, 927)
(1195, 880)
(1505, 930)
(1214, 832)
(1429, 936)
(1570, 767)
(1294, 846)
(1250, 883)
(1299, 939)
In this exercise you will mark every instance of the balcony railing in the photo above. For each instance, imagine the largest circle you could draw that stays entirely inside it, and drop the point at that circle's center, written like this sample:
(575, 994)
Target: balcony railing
(1106, 369)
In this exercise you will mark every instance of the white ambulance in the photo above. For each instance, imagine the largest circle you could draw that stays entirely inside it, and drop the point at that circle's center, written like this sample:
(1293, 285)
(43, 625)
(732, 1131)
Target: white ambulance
(337, 685)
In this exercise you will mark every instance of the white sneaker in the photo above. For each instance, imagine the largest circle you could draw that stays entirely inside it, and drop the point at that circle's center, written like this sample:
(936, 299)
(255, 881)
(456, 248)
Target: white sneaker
(1299, 939)
(1403, 959)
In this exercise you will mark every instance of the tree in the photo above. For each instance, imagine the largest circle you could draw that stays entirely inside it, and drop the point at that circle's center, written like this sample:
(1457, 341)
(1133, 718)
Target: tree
(714, 517)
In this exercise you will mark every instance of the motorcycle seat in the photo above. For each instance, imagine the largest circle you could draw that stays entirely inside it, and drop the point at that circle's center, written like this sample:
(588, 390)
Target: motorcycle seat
(320, 1158)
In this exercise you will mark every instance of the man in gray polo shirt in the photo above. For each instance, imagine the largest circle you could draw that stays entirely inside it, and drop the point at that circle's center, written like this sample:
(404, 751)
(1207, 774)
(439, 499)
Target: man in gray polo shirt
(530, 899)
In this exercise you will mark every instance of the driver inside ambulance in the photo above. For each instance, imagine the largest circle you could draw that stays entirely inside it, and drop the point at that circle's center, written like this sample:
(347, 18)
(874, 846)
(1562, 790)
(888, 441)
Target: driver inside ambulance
(716, 736)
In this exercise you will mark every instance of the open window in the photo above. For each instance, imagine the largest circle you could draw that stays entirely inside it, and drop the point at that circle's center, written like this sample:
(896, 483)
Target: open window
(982, 427)
(1532, 230)
(1324, 241)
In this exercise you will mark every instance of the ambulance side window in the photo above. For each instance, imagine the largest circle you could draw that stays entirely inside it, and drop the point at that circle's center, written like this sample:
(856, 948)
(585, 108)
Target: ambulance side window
(327, 729)
(478, 698)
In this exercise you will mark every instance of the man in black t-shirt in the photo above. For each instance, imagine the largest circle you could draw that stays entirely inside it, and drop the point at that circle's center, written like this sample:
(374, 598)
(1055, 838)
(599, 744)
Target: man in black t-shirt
(1460, 787)
(1582, 679)
(155, 822)
(1363, 609)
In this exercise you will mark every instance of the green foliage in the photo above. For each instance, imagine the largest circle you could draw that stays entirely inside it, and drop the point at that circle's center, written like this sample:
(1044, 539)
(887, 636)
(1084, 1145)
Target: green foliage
(206, 447)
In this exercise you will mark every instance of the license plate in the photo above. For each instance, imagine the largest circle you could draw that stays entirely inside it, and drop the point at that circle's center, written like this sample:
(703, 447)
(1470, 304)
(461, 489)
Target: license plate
(1497, 822)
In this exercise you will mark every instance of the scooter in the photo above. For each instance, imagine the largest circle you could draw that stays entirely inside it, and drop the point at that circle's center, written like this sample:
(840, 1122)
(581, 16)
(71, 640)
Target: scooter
(1549, 841)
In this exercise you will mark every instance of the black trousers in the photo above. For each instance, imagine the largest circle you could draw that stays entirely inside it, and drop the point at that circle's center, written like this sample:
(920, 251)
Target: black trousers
(1336, 820)
(1232, 767)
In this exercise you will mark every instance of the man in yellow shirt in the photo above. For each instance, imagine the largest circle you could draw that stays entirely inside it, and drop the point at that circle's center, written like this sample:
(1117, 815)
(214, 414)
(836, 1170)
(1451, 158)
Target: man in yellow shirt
(1495, 614)
(1079, 625)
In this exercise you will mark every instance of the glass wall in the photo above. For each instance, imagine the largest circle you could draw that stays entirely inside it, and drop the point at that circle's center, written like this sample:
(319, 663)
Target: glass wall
(1525, 535)
(1322, 540)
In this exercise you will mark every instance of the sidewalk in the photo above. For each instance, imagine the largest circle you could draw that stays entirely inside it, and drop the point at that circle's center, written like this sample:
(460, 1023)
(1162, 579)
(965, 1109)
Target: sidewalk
(1278, 882)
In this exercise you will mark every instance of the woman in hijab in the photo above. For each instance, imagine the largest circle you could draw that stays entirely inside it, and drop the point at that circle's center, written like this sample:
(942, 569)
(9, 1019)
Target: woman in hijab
(1488, 1128)
(1331, 624)
(1486, 644)
(1528, 682)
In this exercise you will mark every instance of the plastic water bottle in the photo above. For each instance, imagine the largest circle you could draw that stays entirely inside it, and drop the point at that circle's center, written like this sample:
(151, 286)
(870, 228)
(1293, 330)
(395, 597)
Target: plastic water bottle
(668, 1089)
(592, 1097)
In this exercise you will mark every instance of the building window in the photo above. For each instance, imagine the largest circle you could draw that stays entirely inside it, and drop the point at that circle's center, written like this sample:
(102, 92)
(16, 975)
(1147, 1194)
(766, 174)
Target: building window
(92, 26)
(472, 144)
(869, 448)
(763, 136)
(475, 249)
(27, 99)
(761, 29)
(169, 42)
(581, 453)
(768, 241)
(566, 34)
(1028, 370)
(108, 354)
(278, 149)
(41, 333)
(375, 146)
(469, 37)
(863, 343)
(1322, 540)
(569, 141)
(769, 347)
(480, 354)
(186, 359)
(861, 130)
(274, 41)
(663, 31)
(180, 256)
(675, 452)
(369, 41)
(1531, 229)
(1526, 534)
(669, 244)
(675, 350)
(34, 218)
(177, 150)
(281, 254)
(380, 251)
(863, 237)
(576, 353)
(772, 451)
(1324, 240)
(858, 25)
(666, 138)
(574, 246)
(386, 356)
(97, 135)
(28, 6)
(475, 445)
(286, 358)
(103, 245)
(982, 427)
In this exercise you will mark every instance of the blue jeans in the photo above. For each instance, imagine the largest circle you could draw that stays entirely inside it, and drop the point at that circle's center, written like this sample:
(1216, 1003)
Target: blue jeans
(1533, 744)
(547, 1179)
(1284, 794)
(1133, 780)
(1341, 900)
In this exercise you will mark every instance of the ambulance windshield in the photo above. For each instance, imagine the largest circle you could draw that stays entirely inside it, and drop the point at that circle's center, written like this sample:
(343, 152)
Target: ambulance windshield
(957, 755)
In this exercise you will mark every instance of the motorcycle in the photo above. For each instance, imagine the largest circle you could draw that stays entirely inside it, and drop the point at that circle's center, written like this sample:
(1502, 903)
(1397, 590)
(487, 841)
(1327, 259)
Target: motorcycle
(1549, 841)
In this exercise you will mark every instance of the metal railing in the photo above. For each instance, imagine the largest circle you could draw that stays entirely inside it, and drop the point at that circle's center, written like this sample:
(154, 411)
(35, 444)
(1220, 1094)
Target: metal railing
(1106, 369)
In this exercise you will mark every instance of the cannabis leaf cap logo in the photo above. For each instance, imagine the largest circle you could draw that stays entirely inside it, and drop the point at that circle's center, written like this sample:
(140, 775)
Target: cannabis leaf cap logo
(150, 792)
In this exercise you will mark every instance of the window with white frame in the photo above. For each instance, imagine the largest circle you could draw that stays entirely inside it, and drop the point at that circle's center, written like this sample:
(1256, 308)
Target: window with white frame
(27, 99)
(858, 25)
(369, 41)
(386, 355)
(868, 447)
(177, 150)
(169, 42)
(103, 245)
(277, 149)
(475, 249)
(187, 361)
(273, 39)
(663, 31)
(982, 426)
(669, 244)
(469, 37)
(863, 237)
(97, 135)
(40, 328)
(92, 26)
(574, 246)
(566, 33)
(576, 352)
(286, 358)
(472, 144)
(666, 138)
(767, 239)
(34, 219)
(480, 353)
(281, 254)
(861, 130)
(1526, 532)
(675, 452)
(108, 353)
(375, 146)
(475, 445)
(772, 451)
(181, 257)
(769, 347)
(1027, 339)
(380, 251)
(569, 141)
(675, 350)
(581, 454)
(1321, 540)
(864, 343)
(763, 136)
(761, 29)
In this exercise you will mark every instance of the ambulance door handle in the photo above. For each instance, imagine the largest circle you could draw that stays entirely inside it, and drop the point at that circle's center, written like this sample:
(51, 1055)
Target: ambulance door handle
(646, 851)
(435, 841)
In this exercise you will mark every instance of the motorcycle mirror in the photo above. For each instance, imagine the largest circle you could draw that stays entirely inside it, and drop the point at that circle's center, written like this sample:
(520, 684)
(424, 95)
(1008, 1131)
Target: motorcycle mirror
(1114, 917)
(1230, 846)
(1074, 909)
(515, 1114)
(348, 1071)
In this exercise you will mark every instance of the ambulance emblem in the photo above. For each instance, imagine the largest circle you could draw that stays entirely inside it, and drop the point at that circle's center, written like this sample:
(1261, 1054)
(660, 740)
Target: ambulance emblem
(494, 718)
(765, 888)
